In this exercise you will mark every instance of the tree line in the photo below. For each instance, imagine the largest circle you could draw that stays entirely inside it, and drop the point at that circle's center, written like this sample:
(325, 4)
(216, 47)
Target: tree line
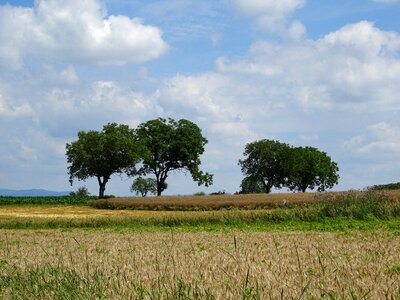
(160, 146)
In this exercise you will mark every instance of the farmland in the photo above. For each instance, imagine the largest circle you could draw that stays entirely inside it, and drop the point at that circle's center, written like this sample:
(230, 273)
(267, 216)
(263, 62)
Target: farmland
(292, 246)
(184, 265)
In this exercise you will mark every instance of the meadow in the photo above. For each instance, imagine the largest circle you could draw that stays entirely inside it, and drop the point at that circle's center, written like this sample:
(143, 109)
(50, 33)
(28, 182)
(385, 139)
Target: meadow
(293, 246)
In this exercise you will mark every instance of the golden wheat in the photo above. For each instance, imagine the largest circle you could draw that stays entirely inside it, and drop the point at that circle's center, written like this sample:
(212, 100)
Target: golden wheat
(227, 266)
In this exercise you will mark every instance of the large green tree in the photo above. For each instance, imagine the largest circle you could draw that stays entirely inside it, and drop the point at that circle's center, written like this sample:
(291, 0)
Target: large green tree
(171, 145)
(311, 168)
(265, 162)
(102, 153)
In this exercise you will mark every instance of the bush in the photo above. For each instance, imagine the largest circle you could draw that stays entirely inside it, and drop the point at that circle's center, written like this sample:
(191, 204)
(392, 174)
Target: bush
(81, 192)
(199, 194)
(389, 186)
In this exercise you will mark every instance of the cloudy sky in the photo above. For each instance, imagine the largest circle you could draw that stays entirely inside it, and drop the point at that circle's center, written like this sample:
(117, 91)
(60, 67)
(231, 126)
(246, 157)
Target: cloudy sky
(308, 73)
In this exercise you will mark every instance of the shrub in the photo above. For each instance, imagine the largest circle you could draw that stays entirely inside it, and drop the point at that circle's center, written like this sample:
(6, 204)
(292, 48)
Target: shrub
(389, 186)
(199, 194)
(81, 192)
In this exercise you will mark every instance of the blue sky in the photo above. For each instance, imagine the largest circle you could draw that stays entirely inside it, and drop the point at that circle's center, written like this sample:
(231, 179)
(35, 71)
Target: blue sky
(308, 73)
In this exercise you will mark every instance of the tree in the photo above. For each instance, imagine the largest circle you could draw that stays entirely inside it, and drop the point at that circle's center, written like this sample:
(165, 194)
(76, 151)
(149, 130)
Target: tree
(311, 168)
(265, 162)
(101, 154)
(143, 186)
(172, 145)
(251, 185)
(81, 192)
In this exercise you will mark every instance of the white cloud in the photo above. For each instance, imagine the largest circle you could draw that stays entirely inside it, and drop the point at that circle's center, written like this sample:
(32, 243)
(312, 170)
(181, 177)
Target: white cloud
(213, 101)
(365, 39)
(224, 65)
(380, 139)
(356, 67)
(273, 16)
(267, 8)
(75, 30)
(13, 110)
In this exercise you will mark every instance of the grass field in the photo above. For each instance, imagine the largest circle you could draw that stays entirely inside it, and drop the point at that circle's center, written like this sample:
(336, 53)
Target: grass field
(344, 247)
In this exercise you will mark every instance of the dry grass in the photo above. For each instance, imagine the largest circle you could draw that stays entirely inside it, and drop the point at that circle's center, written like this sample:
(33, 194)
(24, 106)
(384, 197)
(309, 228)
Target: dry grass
(213, 202)
(216, 202)
(71, 211)
(238, 265)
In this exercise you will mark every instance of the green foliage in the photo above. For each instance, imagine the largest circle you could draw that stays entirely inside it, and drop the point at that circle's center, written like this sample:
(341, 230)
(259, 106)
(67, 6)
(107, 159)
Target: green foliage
(393, 270)
(6, 200)
(81, 192)
(143, 186)
(172, 145)
(251, 185)
(101, 154)
(310, 168)
(200, 194)
(223, 192)
(359, 206)
(265, 163)
(47, 282)
(270, 163)
(61, 282)
(389, 186)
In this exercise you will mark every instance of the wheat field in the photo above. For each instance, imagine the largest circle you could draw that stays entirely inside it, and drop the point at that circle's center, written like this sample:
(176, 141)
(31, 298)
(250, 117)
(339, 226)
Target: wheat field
(184, 265)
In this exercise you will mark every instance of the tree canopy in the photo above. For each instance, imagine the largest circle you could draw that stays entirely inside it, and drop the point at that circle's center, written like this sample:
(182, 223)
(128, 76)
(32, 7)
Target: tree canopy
(275, 164)
(143, 186)
(172, 145)
(102, 153)
(311, 168)
(265, 162)
(251, 185)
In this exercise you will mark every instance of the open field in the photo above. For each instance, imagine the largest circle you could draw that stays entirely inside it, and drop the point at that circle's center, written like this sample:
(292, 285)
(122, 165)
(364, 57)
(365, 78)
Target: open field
(336, 211)
(217, 202)
(345, 247)
(234, 265)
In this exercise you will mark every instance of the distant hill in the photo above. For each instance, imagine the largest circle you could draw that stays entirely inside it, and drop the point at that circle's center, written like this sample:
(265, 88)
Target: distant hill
(31, 193)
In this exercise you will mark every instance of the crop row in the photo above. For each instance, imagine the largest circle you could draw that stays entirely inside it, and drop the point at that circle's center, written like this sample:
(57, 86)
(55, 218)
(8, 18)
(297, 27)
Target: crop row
(7, 200)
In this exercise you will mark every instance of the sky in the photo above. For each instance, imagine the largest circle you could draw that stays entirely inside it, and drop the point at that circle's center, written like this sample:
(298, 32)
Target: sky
(314, 73)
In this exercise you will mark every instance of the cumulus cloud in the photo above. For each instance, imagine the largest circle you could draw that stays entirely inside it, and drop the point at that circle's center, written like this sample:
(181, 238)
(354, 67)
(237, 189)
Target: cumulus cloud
(273, 16)
(63, 112)
(75, 30)
(380, 139)
(212, 100)
(12, 109)
(352, 68)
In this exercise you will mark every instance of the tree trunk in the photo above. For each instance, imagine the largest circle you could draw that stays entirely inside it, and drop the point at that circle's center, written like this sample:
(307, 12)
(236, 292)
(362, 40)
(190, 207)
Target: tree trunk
(102, 186)
(159, 189)
(161, 182)
(267, 186)
(160, 186)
